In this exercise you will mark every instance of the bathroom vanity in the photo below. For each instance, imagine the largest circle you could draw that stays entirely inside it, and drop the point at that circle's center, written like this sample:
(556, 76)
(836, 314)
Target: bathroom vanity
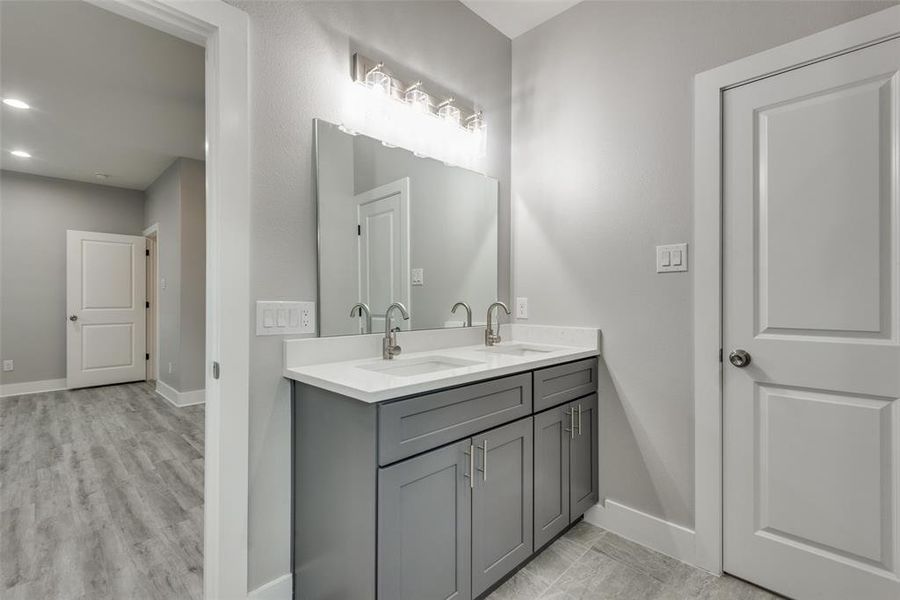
(439, 473)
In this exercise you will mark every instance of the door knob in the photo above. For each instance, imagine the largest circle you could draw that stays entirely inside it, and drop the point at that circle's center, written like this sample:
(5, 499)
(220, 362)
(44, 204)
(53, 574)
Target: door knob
(73, 318)
(739, 358)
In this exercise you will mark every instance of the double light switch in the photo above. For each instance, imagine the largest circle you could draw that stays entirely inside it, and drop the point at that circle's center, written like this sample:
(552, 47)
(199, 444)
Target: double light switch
(671, 258)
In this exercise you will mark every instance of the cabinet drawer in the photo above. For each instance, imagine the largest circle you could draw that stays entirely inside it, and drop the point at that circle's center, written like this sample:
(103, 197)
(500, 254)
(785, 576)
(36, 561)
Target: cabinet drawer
(408, 427)
(555, 385)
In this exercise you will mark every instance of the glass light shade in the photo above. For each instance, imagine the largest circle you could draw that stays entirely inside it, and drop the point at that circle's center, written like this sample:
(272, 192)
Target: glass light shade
(449, 113)
(378, 81)
(418, 99)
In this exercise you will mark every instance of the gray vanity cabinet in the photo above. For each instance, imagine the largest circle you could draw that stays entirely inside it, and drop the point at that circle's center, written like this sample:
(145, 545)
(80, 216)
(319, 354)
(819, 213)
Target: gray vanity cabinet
(502, 535)
(424, 526)
(565, 466)
(440, 495)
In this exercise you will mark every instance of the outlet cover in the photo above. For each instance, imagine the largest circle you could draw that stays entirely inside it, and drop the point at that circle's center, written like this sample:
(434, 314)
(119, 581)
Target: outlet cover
(417, 276)
(8, 365)
(285, 318)
(521, 308)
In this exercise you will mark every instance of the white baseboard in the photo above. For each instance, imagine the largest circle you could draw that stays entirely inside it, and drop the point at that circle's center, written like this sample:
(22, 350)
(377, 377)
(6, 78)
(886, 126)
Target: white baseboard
(32, 387)
(180, 399)
(277, 589)
(655, 533)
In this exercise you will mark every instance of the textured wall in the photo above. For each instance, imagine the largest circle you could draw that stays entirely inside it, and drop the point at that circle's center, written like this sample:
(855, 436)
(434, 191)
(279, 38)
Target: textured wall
(602, 173)
(35, 213)
(300, 64)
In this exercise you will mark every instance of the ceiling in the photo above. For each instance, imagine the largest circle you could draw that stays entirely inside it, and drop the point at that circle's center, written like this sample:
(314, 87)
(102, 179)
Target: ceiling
(514, 17)
(107, 94)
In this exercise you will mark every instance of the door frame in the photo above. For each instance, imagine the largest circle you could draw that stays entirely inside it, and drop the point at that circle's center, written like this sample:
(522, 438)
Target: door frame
(709, 88)
(152, 235)
(224, 31)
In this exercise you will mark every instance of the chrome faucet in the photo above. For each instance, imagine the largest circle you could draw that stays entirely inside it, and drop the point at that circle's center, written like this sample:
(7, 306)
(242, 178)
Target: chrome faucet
(491, 338)
(389, 347)
(363, 309)
(468, 312)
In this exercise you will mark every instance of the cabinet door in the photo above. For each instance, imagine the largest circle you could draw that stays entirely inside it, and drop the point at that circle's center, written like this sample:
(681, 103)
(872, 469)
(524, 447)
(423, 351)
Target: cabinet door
(552, 430)
(502, 516)
(424, 525)
(583, 470)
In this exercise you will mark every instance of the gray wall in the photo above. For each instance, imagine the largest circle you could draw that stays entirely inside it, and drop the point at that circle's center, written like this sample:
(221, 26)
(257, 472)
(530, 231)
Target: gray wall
(176, 201)
(299, 67)
(35, 213)
(602, 173)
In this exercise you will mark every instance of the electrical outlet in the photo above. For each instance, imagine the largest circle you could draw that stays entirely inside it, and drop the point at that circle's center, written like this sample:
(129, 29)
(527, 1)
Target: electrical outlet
(521, 308)
(8, 365)
(417, 276)
(307, 317)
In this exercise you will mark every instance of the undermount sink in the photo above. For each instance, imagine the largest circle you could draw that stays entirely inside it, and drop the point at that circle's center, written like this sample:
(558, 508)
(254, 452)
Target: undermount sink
(518, 350)
(417, 366)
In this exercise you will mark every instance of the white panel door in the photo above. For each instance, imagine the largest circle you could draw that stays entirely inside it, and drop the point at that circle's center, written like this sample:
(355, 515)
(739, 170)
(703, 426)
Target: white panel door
(811, 276)
(105, 303)
(383, 217)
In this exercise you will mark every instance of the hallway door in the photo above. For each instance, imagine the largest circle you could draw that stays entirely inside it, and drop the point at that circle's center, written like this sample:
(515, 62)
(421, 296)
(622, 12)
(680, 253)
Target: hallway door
(105, 308)
(812, 301)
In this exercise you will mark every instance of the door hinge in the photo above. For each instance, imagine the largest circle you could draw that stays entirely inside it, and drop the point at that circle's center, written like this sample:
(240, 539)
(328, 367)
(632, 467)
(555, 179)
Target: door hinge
(720, 355)
(147, 252)
(148, 304)
(359, 230)
(147, 356)
(216, 369)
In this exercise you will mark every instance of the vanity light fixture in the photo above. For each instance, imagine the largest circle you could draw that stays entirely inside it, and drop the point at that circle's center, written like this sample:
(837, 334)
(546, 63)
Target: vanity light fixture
(16, 103)
(20, 154)
(101, 176)
(373, 75)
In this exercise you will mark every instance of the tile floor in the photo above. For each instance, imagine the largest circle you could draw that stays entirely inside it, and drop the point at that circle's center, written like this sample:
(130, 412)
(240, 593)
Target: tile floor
(588, 563)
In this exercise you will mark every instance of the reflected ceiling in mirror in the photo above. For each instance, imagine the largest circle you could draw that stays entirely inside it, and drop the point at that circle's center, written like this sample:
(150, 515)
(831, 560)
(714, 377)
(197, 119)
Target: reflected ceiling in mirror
(396, 227)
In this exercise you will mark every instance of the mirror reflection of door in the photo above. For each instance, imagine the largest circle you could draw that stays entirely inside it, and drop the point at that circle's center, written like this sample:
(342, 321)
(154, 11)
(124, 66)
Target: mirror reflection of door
(383, 219)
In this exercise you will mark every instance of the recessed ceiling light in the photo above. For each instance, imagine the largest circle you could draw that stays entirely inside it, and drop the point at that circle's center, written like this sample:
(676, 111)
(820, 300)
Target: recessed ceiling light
(16, 103)
(20, 154)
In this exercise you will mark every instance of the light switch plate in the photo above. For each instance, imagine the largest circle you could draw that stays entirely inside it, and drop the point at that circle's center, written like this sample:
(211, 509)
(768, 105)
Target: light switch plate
(283, 318)
(671, 258)
(417, 276)
(8, 365)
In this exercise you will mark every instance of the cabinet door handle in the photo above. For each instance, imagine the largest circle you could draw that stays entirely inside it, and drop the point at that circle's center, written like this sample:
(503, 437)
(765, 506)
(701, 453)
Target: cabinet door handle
(571, 429)
(471, 474)
(484, 451)
(579, 419)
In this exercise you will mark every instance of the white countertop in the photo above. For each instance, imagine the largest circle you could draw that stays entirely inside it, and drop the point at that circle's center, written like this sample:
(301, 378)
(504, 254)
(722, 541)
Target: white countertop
(334, 363)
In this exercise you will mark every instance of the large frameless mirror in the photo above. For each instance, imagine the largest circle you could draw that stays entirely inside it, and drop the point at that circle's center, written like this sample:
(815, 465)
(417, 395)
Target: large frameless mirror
(396, 227)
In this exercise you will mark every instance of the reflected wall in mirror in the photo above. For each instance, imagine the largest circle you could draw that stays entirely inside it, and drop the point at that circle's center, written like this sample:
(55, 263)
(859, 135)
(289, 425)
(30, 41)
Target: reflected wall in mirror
(396, 227)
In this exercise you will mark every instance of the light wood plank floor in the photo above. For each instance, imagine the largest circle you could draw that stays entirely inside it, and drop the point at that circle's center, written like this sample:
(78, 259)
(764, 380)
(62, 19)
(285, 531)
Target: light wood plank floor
(101, 496)
(588, 563)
